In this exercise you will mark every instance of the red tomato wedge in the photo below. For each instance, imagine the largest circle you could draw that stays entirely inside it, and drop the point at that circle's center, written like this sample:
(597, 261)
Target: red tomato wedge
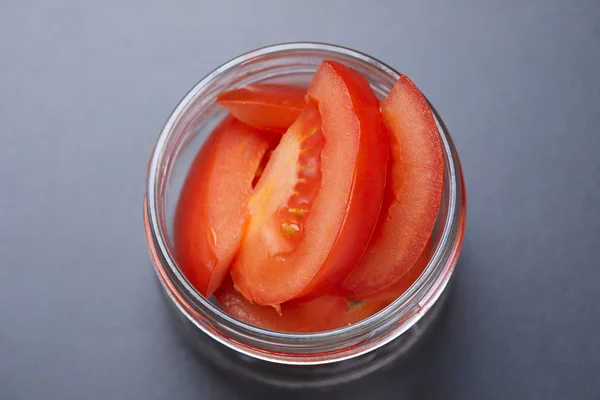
(316, 315)
(413, 194)
(265, 106)
(316, 204)
(212, 209)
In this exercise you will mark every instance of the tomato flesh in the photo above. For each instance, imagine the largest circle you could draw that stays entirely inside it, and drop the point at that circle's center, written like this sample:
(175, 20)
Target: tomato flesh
(316, 204)
(281, 202)
(413, 194)
(270, 107)
(316, 315)
(212, 208)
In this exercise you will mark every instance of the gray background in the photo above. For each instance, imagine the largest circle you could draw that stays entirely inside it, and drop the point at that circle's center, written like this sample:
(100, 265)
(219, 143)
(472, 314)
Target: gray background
(86, 86)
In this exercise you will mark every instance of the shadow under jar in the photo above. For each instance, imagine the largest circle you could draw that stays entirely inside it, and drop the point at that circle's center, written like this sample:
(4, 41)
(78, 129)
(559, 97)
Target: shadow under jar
(291, 359)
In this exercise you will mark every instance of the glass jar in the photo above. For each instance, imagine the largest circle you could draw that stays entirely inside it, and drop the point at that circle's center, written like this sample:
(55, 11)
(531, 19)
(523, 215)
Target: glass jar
(291, 359)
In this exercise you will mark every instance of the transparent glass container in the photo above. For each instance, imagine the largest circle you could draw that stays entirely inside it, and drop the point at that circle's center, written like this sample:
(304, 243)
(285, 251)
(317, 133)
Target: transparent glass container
(291, 359)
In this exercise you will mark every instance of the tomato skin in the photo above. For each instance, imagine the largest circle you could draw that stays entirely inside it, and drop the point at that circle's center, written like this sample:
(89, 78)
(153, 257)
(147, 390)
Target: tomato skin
(345, 209)
(211, 212)
(392, 292)
(270, 107)
(413, 194)
(321, 314)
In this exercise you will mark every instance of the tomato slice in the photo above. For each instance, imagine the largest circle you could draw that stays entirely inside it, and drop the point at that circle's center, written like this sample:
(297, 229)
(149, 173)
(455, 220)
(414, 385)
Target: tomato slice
(316, 315)
(271, 107)
(316, 205)
(212, 208)
(413, 194)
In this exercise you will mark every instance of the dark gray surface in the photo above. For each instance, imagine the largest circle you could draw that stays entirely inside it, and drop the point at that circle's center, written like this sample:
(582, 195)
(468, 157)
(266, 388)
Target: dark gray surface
(86, 86)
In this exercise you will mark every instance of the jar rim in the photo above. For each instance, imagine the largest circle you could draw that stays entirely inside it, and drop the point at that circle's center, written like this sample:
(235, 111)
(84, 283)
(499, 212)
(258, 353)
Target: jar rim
(291, 347)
